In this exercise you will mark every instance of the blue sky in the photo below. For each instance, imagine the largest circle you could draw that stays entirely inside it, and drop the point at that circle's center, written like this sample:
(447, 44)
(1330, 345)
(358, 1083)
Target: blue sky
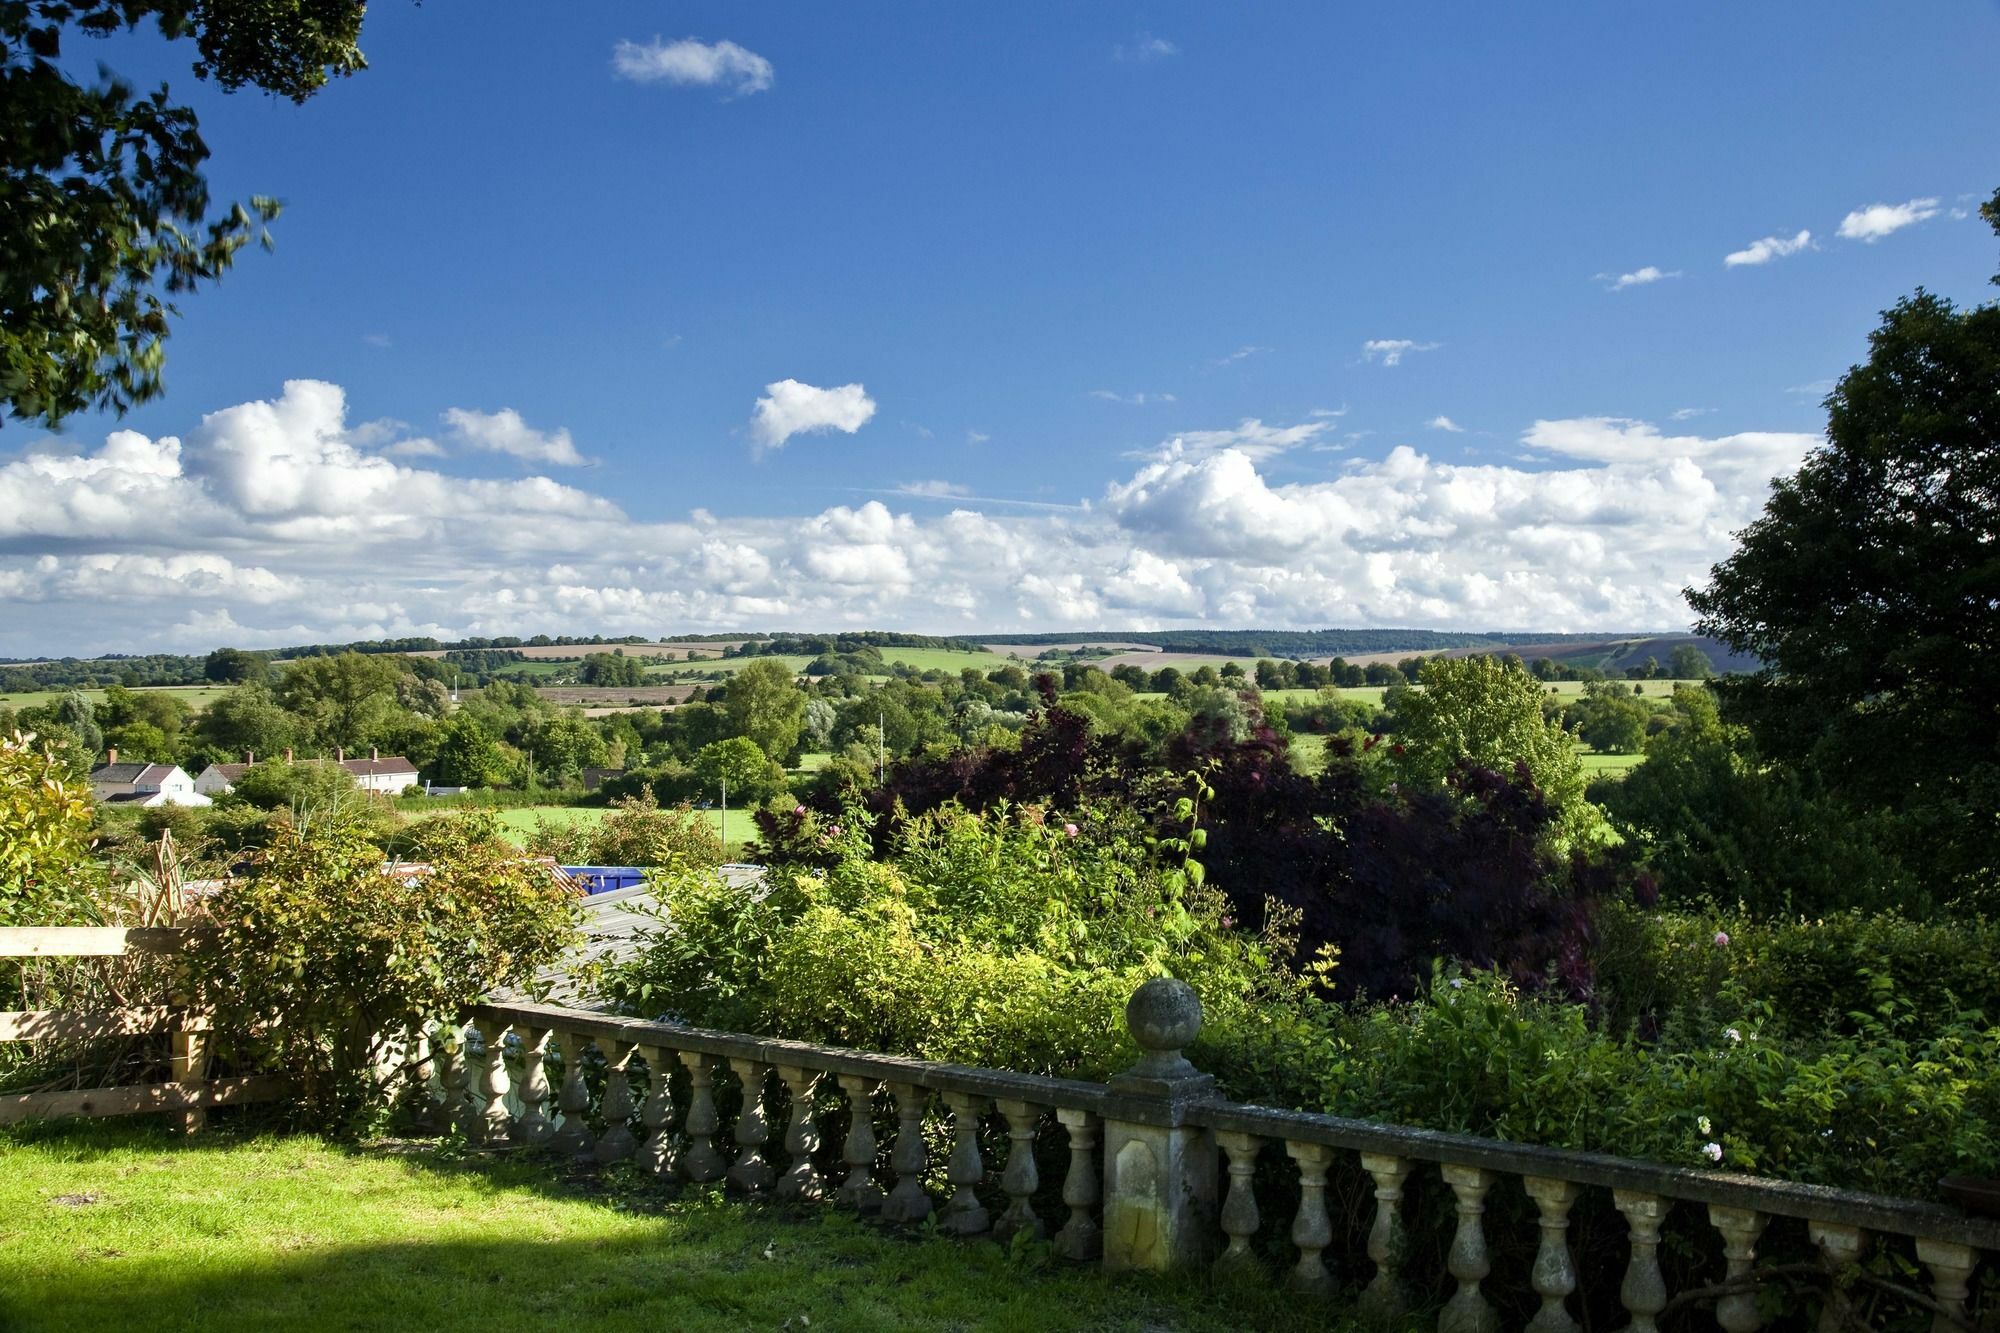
(1045, 243)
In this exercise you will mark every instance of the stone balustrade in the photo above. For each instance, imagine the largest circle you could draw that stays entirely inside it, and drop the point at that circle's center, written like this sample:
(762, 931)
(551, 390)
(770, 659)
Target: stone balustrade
(1161, 1172)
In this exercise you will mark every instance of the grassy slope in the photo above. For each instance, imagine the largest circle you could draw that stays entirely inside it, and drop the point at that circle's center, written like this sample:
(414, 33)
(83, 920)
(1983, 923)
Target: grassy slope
(520, 822)
(228, 1233)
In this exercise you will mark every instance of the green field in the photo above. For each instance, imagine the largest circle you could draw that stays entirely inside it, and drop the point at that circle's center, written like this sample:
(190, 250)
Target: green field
(922, 659)
(195, 696)
(128, 1226)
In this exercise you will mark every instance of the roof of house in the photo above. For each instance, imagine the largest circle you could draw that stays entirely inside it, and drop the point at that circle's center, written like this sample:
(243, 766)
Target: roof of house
(363, 768)
(227, 772)
(134, 773)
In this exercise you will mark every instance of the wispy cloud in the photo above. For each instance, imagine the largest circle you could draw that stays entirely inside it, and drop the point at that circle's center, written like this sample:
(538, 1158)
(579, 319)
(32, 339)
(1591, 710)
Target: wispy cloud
(1241, 353)
(1689, 413)
(934, 490)
(1816, 389)
(377, 340)
(1765, 250)
(1133, 399)
(1391, 351)
(976, 437)
(690, 63)
(1144, 48)
(1872, 223)
(1442, 422)
(790, 408)
(1340, 411)
(1639, 277)
(504, 432)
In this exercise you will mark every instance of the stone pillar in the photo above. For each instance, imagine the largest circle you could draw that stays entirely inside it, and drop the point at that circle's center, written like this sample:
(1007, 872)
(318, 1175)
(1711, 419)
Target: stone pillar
(751, 1172)
(1079, 1238)
(1020, 1178)
(801, 1181)
(699, 1161)
(534, 1126)
(617, 1142)
(1159, 1171)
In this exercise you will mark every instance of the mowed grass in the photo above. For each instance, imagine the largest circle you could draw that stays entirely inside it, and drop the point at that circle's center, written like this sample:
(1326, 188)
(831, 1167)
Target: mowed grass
(122, 1226)
(921, 659)
(519, 823)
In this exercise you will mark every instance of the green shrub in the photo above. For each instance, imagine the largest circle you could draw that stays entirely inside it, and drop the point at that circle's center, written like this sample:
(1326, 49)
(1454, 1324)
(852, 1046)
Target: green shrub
(47, 876)
(998, 939)
(327, 962)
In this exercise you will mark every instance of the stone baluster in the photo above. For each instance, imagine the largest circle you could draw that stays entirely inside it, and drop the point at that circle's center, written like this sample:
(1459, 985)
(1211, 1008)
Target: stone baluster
(963, 1213)
(455, 1077)
(656, 1113)
(1554, 1273)
(751, 1172)
(1080, 1238)
(859, 1191)
(1383, 1299)
(1468, 1311)
(1740, 1227)
(907, 1201)
(1312, 1232)
(1951, 1281)
(700, 1161)
(801, 1181)
(1240, 1219)
(492, 1122)
(1019, 1178)
(1840, 1248)
(534, 1127)
(617, 1142)
(573, 1134)
(1644, 1290)
(424, 1105)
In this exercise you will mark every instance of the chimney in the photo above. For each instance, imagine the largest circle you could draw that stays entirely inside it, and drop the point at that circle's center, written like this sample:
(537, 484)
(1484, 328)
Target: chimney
(374, 753)
(111, 755)
(339, 754)
(288, 754)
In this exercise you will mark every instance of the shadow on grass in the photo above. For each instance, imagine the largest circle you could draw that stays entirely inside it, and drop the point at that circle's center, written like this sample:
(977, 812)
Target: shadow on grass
(296, 1234)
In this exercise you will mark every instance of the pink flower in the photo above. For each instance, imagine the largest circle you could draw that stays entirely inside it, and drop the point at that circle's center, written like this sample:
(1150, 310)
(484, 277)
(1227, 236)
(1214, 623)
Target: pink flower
(1069, 830)
(798, 812)
(1228, 923)
(835, 830)
(1722, 939)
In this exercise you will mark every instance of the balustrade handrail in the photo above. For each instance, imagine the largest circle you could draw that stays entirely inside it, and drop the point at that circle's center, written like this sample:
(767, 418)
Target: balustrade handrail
(1040, 1089)
(1763, 1194)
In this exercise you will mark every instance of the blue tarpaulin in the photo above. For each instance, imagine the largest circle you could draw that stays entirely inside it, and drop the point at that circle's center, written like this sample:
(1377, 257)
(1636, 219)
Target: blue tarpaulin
(603, 879)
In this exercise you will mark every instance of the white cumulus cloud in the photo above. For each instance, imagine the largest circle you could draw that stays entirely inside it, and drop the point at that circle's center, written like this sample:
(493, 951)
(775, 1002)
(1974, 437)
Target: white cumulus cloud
(268, 525)
(1872, 223)
(504, 432)
(1445, 423)
(1638, 277)
(1391, 351)
(1765, 250)
(790, 408)
(692, 63)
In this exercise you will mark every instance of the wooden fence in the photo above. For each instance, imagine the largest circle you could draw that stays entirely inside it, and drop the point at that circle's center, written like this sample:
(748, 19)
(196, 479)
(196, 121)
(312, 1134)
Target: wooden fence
(187, 1090)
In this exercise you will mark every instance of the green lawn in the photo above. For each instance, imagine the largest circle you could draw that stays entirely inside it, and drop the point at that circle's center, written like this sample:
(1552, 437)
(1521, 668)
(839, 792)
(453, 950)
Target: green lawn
(122, 1226)
(519, 823)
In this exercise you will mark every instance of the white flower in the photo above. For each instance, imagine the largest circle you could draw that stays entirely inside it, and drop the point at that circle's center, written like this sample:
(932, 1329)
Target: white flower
(1458, 983)
(1712, 1151)
(1734, 1036)
(1703, 1125)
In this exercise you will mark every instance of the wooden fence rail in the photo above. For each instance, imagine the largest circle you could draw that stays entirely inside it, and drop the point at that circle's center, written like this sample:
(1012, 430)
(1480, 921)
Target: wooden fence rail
(188, 1090)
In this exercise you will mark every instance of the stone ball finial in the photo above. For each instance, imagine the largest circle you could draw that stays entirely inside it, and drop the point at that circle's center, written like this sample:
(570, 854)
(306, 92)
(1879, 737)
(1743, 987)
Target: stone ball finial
(1164, 1018)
